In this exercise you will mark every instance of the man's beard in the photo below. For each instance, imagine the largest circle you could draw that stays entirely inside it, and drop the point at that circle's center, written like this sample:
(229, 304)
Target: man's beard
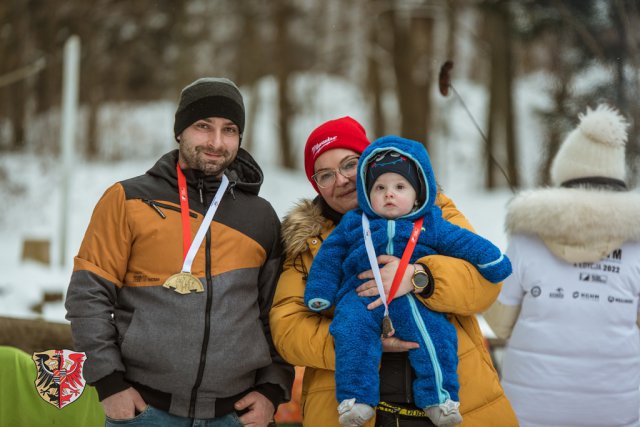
(194, 157)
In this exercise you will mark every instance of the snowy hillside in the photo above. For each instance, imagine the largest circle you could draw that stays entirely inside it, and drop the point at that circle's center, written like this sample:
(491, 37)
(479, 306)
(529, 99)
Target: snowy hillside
(32, 196)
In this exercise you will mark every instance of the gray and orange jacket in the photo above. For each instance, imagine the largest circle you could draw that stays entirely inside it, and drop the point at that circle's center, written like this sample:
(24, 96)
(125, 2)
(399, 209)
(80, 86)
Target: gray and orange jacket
(193, 355)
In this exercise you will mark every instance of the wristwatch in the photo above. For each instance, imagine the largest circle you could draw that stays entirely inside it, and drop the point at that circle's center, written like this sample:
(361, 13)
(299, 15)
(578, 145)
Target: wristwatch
(420, 279)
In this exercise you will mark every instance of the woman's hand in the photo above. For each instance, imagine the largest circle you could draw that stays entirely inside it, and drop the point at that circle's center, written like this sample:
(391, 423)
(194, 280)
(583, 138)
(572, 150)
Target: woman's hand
(396, 345)
(390, 265)
(368, 289)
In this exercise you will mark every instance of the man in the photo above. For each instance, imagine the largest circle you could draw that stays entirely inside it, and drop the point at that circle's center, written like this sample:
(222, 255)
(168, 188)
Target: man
(174, 280)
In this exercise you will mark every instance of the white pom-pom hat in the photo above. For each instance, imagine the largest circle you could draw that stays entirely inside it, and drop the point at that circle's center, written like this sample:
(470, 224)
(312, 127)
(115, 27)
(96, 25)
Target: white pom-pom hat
(595, 149)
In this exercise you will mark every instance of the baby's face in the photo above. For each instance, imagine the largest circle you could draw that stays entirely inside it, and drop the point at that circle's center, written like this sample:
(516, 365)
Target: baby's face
(392, 196)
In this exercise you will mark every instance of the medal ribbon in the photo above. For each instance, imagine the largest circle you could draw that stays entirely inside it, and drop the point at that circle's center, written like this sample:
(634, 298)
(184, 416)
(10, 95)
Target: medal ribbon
(189, 249)
(371, 253)
(408, 250)
(184, 211)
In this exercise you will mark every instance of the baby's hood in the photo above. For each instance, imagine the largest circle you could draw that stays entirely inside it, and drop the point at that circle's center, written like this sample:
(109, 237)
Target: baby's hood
(413, 150)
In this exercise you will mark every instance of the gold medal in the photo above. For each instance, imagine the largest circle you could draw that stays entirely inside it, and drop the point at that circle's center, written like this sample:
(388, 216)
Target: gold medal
(183, 283)
(387, 327)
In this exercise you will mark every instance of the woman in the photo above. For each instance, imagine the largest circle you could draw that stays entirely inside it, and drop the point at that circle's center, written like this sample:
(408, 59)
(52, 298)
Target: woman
(573, 358)
(302, 337)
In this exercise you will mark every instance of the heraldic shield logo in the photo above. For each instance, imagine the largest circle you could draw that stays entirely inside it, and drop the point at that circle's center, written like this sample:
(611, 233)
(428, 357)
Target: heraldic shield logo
(59, 379)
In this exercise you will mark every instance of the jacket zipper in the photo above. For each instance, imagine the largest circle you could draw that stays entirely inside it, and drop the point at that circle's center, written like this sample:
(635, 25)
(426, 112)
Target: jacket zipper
(200, 188)
(408, 380)
(157, 205)
(207, 311)
(443, 394)
(391, 233)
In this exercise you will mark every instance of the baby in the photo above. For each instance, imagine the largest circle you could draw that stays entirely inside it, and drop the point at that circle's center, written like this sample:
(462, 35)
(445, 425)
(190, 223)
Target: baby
(396, 187)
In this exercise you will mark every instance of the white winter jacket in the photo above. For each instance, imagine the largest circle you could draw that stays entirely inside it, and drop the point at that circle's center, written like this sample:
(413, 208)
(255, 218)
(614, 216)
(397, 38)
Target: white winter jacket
(574, 354)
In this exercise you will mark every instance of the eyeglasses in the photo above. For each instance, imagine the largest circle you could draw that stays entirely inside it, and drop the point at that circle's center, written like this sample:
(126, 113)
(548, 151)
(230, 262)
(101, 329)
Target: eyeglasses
(327, 177)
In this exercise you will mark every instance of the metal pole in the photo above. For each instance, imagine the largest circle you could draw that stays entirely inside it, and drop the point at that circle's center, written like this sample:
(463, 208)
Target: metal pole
(70, 81)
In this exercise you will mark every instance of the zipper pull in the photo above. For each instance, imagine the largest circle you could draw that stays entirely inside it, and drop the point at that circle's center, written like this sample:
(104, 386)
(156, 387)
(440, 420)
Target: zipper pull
(155, 207)
(200, 187)
(231, 187)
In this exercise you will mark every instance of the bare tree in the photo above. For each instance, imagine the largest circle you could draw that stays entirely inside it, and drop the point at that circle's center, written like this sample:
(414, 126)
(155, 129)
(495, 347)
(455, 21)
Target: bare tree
(375, 87)
(283, 11)
(577, 37)
(626, 17)
(411, 50)
(251, 63)
(501, 144)
(14, 57)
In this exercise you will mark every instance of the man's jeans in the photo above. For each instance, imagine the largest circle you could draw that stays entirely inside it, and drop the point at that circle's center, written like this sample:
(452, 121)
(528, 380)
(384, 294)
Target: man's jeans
(152, 417)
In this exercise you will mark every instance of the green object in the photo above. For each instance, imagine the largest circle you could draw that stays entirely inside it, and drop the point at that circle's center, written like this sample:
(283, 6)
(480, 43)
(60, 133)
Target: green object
(22, 405)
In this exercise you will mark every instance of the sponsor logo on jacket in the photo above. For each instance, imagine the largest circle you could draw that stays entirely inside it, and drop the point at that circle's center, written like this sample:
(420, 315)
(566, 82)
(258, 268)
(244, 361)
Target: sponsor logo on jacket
(558, 293)
(587, 296)
(611, 298)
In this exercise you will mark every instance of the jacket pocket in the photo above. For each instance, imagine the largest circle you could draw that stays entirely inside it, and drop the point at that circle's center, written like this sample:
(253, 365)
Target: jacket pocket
(144, 345)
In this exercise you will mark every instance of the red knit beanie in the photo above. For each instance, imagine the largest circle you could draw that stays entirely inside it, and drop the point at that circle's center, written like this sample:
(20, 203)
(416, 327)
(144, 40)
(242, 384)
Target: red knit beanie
(344, 132)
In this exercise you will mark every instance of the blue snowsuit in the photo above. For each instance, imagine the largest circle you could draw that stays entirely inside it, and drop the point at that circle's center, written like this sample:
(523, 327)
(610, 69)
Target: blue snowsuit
(356, 330)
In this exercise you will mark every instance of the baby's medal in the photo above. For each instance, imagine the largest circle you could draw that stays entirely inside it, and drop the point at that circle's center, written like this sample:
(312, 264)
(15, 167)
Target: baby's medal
(387, 325)
(185, 282)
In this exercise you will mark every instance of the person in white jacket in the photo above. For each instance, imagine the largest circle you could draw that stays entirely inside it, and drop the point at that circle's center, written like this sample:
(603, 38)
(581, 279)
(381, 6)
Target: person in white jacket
(570, 307)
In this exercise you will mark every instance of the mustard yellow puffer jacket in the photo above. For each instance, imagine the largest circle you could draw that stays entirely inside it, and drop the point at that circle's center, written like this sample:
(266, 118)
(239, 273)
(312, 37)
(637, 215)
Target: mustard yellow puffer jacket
(302, 337)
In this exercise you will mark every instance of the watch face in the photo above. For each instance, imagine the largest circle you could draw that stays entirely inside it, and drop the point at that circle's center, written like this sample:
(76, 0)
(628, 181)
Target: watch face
(420, 279)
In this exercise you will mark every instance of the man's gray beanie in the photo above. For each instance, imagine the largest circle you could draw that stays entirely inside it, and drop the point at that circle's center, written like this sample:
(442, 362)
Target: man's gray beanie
(209, 97)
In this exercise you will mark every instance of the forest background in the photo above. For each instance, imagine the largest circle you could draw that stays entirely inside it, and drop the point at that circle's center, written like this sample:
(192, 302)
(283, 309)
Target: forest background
(523, 71)
(386, 53)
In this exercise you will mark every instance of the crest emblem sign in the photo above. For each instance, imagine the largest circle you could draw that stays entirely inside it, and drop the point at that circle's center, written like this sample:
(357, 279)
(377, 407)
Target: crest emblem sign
(59, 379)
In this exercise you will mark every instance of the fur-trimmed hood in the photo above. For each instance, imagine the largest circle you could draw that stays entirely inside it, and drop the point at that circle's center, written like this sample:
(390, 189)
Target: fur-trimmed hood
(304, 221)
(577, 225)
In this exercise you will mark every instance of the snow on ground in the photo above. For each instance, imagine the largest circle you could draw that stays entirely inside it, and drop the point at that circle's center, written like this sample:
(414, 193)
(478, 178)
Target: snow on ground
(37, 216)
(31, 194)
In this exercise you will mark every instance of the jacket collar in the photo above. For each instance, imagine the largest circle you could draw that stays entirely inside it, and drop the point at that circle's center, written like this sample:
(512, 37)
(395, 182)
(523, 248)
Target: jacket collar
(244, 173)
(578, 225)
(303, 222)
(410, 149)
